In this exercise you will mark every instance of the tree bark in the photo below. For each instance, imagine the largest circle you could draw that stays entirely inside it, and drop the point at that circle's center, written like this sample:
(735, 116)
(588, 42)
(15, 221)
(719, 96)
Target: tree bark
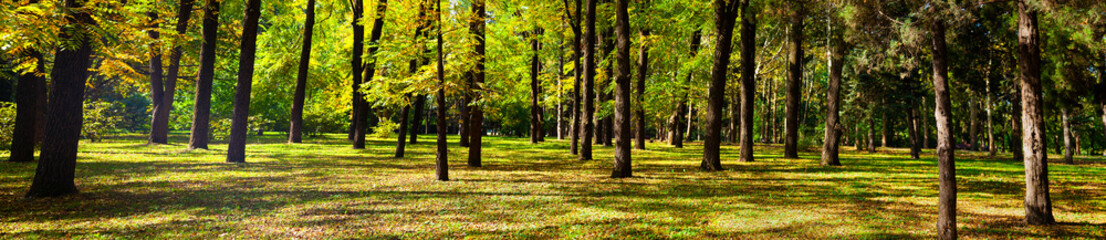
(476, 131)
(724, 17)
(946, 164)
(58, 161)
(589, 81)
(535, 83)
(973, 123)
(642, 76)
(295, 128)
(871, 129)
(795, 83)
(675, 136)
(830, 145)
(201, 108)
(30, 88)
(401, 142)
(236, 151)
(416, 122)
(912, 129)
(622, 161)
(442, 153)
(159, 115)
(1065, 122)
(748, 87)
(361, 124)
(357, 66)
(577, 74)
(1038, 204)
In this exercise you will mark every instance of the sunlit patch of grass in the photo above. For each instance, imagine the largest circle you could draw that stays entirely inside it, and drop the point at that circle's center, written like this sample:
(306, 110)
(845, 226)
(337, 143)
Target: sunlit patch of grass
(324, 189)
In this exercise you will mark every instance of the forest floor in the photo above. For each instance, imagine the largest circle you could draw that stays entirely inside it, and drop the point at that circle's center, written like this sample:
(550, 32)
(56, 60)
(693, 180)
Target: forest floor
(325, 189)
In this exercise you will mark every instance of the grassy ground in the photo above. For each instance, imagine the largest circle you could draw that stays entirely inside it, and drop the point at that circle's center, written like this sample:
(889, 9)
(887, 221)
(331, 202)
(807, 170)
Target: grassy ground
(324, 189)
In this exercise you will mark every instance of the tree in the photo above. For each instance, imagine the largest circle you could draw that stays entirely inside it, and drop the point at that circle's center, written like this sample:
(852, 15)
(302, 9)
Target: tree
(724, 17)
(748, 81)
(536, 123)
(794, 81)
(589, 82)
(835, 57)
(172, 72)
(201, 109)
(476, 131)
(1038, 204)
(30, 89)
(1065, 123)
(946, 167)
(574, 22)
(642, 76)
(295, 127)
(357, 125)
(675, 136)
(58, 160)
(370, 72)
(442, 153)
(157, 91)
(413, 67)
(622, 166)
(236, 151)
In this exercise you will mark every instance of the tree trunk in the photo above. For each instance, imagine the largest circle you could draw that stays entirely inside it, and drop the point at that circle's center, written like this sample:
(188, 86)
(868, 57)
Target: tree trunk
(535, 69)
(577, 74)
(30, 88)
(58, 161)
(184, 13)
(795, 83)
(416, 122)
(361, 125)
(724, 18)
(589, 81)
(201, 108)
(883, 130)
(1038, 204)
(1065, 122)
(160, 116)
(871, 130)
(912, 129)
(476, 113)
(560, 94)
(401, 143)
(236, 151)
(973, 126)
(642, 76)
(925, 124)
(835, 60)
(465, 119)
(622, 167)
(748, 87)
(357, 66)
(295, 128)
(442, 153)
(946, 165)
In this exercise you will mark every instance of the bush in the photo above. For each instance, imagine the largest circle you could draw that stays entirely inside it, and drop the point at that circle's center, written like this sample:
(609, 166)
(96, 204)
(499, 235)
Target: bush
(100, 119)
(323, 119)
(7, 125)
(384, 128)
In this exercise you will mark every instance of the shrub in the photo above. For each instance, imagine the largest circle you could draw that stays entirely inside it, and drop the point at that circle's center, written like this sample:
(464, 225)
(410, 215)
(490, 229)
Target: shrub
(384, 128)
(7, 125)
(100, 119)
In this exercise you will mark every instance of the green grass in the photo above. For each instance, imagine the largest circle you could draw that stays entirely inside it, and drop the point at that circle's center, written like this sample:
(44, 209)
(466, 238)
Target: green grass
(324, 189)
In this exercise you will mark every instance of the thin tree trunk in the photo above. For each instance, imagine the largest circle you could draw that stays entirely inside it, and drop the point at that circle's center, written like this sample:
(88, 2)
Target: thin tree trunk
(1065, 122)
(201, 108)
(560, 90)
(883, 130)
(577, 74)
(830, 145)
(795, 83)
(401, 143)
(361, 126)
(157, 88)
(184, 13)
(871, 130)
(58, 161)
(30, 88)
(912, 129)
(622, 161)
(442, 153)
(357, 66)
(973, 119)
(535, 68)
(476, 131)
(724, 17)
(416, 122)
(748, 87)
(946, 165)
(1038, 204)
(675, 136)
(295, 128)
(236, 151)
(642, 76)
(589, 81)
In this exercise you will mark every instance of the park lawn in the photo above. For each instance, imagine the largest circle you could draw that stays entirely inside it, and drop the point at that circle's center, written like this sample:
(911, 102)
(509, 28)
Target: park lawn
(324, 189)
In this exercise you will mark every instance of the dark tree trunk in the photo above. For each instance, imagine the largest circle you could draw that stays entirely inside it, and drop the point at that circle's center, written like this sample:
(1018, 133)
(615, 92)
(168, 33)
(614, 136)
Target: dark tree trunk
(946, 164)
(675, 136)
(357, 66)
(535, 83)
(575, 127)
(724, 16)
(362, 113)
(589, 82)
(886, 126)
(160, 116)
(871, 129)
(973, 126)
(58, 161)
(622, 166)
(1066, 124)
(442, 153)
(201, 108)
(795, 83)
(29, 90)
(1016, 125)
(912, 129)
(1038, 204)
(401, 143)
(416, 122)
(748, 87)
(172, 72)
(831, 143)
(295, 128)
(477, 112)
(236, 151)
(642, 76)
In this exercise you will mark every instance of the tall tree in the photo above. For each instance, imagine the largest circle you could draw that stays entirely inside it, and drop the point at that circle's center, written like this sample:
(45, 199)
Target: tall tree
(201, 108)
(236, 151)
(476, 131)
(172, 72)
(622, 167)
(295, 128)
(413, 68)
(574, 22)
(675, 136)
(31, 87)
(1038, 204)
(420, 108)
(589, 82)
(642, 76)
(794, 81)
(835, 57)
(442, 153)
(725, 13)
(58, 160)
(946, 167)
(370, 72)
(357, 124)
(535, 84)
(748, 81)
(1065, 123)
(157, 87)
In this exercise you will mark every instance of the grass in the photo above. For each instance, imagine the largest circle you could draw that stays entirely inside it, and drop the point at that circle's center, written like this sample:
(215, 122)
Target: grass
(324, 189)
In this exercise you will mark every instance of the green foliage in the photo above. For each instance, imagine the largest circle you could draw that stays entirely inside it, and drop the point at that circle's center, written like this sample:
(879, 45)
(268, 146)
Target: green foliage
(384, 129)
(7, 125)
(100, 119)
